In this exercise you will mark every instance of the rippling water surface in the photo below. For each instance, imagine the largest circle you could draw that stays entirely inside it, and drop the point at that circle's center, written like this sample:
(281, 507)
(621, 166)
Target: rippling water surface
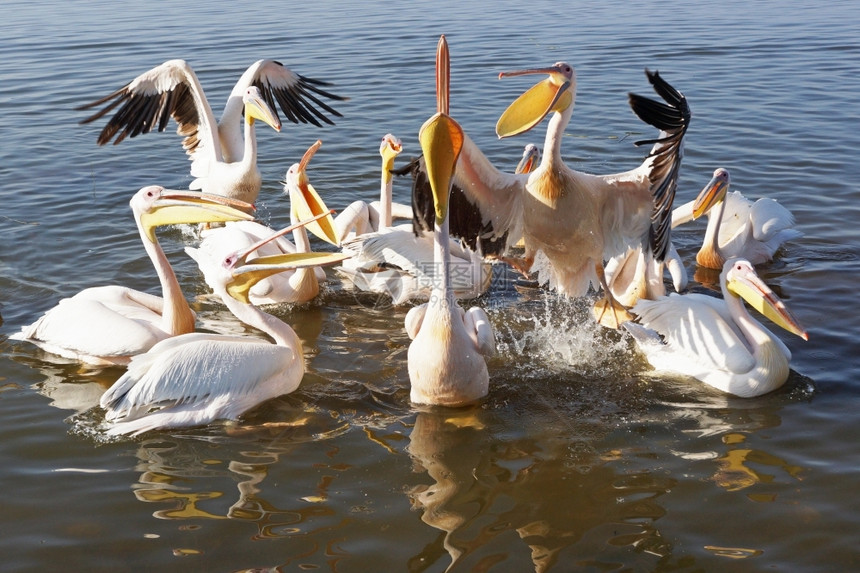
(578, 459)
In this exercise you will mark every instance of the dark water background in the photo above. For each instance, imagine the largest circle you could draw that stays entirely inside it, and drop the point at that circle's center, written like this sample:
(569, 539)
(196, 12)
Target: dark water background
(577, 460)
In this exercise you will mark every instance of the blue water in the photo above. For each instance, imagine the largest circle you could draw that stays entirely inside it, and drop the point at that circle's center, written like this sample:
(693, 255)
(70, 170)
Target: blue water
(577, 460)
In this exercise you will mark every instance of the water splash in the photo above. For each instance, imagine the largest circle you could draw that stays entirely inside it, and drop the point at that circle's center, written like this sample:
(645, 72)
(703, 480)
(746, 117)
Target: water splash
(556, 334)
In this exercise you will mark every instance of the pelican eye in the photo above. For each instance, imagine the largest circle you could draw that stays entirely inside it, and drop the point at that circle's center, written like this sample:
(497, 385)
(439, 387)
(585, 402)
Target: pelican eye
(230, 260)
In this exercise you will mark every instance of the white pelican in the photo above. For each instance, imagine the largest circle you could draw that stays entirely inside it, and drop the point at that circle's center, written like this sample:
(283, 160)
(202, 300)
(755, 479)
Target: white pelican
(717, 341)
(530, 159)
(359, 217)
(110, 324)
(399, 261)
(737, 227)
(446, 356)
(576, 219)
(224, 158)
(292, 286)
(196, 378)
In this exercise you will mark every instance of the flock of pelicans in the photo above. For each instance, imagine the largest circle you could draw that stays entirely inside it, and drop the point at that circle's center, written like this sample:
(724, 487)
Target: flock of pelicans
(572, 230)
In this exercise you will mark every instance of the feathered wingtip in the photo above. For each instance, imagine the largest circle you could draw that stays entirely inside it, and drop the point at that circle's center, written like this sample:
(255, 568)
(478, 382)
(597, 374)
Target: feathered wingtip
(672, 116)
(642, 335)
(299, 102)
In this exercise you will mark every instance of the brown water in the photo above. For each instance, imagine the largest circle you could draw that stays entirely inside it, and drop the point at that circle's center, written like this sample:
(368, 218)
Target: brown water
(579, 459)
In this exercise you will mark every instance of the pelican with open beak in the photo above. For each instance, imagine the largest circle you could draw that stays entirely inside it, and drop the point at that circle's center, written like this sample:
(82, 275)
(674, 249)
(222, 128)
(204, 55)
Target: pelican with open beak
(446, 356)
(110, 324)
(197, 378)
(576, 220)
(291, 286)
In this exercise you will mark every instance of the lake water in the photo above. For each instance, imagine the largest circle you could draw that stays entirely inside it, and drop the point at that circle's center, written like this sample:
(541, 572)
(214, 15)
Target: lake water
(578, 460)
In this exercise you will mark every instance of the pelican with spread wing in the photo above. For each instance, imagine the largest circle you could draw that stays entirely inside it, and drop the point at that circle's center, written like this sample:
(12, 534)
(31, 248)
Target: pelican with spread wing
(576, 219)
(223, 153)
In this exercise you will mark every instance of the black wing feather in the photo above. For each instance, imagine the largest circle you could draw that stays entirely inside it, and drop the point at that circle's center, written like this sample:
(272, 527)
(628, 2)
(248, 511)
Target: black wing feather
(672, 118)
(464, 218)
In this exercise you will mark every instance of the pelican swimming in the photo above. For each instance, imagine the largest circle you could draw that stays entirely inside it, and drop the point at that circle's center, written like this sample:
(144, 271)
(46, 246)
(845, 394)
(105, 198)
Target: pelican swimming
(577, 220)
(291, 286)
(196, 378)
(737, 227)
(110, 324)
(359, 217)
(716, 340)
(446, 356)
(396, 262)
(224, 157)
(399, 261)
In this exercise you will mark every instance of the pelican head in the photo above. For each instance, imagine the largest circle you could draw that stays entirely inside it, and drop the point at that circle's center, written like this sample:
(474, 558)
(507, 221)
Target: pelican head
(240, 276)
(389, 149)
(156, 206)
(441, 138)
(742, 280)
(530, 160)
(714, 192)
(257, 108)
(305, 202)
(555, 93)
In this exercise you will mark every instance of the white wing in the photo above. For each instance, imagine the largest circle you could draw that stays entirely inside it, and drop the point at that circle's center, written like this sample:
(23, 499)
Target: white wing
(769, 219)
(380, 258)
(698, 333)
(414, 320)
(132, 317)
(202, 377)
(480, 329)
(169, 90)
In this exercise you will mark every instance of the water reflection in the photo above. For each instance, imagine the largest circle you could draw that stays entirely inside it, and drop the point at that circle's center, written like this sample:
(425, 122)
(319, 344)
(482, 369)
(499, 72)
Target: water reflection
(724, 433)
(189, 476)
(68, 393)
(453, 450)
(736, 467)
(485, 489)
(68, 384)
